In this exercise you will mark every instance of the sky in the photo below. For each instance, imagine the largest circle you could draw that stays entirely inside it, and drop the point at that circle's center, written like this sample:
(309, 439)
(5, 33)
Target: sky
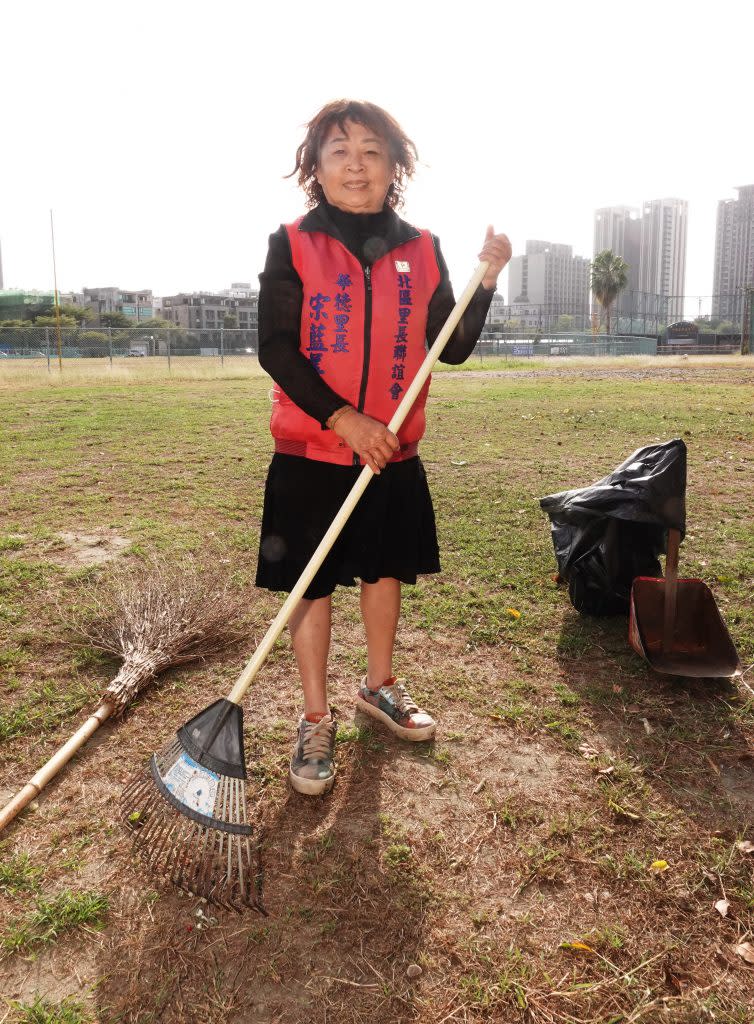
(159, 132)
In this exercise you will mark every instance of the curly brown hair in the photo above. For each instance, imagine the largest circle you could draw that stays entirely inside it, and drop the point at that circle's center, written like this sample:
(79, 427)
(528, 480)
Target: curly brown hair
(403, 152)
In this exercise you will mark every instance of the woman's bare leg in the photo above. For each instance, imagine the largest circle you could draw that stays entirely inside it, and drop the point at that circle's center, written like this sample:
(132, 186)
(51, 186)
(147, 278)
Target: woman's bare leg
(310, 634)
(380, 608)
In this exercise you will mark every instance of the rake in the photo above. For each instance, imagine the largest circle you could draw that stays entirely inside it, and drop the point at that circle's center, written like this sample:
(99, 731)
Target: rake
(187, 811)
(152, 616)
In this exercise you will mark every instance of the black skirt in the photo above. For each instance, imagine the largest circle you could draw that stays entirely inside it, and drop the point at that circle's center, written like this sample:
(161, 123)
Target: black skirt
(390, 533)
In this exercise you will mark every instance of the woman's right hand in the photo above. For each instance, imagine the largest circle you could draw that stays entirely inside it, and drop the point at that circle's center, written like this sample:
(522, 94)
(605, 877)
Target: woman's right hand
(370, 439)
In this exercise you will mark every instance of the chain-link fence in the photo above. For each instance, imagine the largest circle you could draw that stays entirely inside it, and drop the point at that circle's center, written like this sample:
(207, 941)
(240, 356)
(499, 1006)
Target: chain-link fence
(119, 342)
(43, 343)
(519, 346)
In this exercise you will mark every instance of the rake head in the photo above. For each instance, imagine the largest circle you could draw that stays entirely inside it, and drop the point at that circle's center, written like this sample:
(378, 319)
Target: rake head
(187, 812)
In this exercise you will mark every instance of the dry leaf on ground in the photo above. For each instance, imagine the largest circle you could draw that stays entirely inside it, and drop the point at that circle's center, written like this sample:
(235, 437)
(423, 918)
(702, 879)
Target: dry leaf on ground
(579, 947)
(588, 752)
(746, 951)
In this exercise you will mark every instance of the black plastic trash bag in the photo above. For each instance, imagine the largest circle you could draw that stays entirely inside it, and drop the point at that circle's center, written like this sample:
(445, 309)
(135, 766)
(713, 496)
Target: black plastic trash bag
(606, 534)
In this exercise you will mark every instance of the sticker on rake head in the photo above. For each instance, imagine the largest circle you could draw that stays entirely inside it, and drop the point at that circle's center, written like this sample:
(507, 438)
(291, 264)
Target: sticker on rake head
(403, 266)
(193, 785)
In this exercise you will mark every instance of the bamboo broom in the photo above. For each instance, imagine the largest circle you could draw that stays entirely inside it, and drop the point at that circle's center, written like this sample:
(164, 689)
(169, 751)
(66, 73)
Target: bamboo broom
(152, 615)
(187, 812)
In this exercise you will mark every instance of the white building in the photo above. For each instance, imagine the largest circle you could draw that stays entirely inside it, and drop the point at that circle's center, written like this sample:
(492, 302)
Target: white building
(240, 290)
(662, 261)
(550, 278)
(734, 254)
(618, 228)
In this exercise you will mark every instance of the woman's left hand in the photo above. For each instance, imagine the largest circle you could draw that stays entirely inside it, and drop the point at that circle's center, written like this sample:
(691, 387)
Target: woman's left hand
(497, 250)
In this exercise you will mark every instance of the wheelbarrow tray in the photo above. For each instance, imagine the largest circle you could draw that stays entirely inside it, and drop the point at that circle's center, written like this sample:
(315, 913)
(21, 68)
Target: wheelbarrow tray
(701, 646)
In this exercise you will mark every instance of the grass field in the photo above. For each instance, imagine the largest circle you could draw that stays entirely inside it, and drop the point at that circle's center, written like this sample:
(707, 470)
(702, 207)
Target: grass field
(504, 872)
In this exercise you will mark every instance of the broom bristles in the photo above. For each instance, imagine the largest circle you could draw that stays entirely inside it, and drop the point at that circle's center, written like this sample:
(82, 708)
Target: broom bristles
(217, 858)
(155, 614)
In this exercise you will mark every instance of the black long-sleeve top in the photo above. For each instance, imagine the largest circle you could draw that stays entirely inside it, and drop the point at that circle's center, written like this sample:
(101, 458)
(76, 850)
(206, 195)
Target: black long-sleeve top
(281, 297)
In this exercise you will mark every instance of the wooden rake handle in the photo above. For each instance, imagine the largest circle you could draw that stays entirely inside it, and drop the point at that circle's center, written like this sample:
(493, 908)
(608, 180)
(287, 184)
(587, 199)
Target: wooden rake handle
(246, 678)
(671, 590)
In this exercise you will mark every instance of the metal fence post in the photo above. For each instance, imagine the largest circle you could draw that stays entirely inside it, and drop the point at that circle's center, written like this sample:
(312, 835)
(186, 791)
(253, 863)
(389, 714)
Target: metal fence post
(110, 345)
(168, 347)
(222, 345)
(47, 342)
(746, 322)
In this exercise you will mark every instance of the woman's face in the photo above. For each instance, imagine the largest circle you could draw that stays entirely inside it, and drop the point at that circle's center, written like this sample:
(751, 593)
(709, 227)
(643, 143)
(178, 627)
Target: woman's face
(354, 169)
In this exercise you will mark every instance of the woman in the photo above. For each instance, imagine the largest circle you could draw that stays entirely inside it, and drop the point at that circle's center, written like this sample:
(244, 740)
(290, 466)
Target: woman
(350, 297)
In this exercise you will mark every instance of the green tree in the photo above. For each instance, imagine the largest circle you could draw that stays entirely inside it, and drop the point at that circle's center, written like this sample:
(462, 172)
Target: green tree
(156, 323)
(564, 323)
(230, 321)
(66, 322)
(81, 314)
(609, 278)
(115, 320)
(706, 324)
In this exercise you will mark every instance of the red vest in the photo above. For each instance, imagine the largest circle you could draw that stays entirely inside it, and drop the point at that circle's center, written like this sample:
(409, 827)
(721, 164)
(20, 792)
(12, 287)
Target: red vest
(364, 331)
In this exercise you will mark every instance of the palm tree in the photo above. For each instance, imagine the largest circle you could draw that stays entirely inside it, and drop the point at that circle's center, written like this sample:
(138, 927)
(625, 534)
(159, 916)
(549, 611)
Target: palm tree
(609, 278)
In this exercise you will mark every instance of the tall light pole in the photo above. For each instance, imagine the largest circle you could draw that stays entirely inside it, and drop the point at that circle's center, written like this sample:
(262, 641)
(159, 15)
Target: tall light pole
(57, 301)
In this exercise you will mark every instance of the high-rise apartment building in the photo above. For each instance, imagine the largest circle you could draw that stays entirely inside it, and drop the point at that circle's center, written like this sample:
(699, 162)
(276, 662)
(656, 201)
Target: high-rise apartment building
(618, 228)
(734, 254)
(551, 277)
(652, 241)
(662, 260)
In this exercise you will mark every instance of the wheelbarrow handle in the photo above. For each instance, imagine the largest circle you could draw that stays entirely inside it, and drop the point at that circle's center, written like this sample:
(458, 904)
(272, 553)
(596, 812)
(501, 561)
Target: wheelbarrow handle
(671, 589)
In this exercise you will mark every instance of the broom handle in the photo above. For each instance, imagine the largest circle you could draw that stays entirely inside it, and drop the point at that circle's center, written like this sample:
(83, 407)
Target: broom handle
(671, 589)
(246, 678)
(37, 782)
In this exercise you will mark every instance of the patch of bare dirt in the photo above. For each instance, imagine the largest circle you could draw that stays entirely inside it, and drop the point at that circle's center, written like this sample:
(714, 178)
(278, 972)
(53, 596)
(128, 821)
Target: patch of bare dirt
(82, 549)
(71, 549)
(686, 372)
(59, 972)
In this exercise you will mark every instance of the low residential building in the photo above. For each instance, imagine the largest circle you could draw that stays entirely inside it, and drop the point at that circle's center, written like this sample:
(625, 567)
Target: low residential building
(136, 305)
(504, 318)
(211, 311)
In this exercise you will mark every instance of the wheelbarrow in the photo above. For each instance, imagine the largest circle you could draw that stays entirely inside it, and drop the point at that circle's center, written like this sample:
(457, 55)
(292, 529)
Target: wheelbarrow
(676, 624)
